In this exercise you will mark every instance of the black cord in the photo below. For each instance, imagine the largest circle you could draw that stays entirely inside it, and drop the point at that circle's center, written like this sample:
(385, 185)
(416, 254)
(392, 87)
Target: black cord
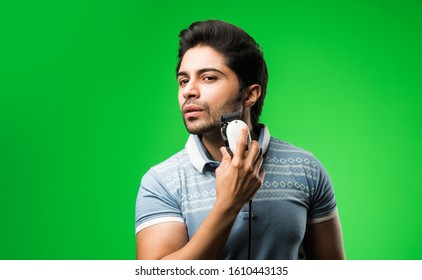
(250, 231)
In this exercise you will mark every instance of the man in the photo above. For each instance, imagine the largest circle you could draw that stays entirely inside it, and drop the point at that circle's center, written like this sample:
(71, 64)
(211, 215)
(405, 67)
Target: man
(195, 205)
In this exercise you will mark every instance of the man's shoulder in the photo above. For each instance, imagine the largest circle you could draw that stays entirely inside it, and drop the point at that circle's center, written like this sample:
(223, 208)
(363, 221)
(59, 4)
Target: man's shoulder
(173, 162)
(281, 149)
(167, 171)
(279, 145)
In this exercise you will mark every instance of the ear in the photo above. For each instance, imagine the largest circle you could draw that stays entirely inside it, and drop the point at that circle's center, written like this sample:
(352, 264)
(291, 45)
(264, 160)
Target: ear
(253, 92)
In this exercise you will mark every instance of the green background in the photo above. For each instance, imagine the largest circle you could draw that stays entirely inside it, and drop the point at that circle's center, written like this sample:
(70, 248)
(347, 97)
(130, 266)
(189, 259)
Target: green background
(88, 102)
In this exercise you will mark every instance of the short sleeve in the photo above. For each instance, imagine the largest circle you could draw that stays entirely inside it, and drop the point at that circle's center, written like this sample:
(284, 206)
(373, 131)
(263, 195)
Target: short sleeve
(323, 203)
(155, 203)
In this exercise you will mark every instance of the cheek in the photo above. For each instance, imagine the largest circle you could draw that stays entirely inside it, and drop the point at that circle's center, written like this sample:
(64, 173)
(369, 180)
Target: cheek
(180, 99)
(220, 96)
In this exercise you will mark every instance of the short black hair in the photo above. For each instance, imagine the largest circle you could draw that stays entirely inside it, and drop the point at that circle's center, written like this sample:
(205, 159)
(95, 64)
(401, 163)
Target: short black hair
(241, 52)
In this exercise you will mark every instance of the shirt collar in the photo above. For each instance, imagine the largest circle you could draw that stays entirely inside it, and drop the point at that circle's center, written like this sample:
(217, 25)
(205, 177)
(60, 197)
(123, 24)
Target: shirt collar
(200, 158)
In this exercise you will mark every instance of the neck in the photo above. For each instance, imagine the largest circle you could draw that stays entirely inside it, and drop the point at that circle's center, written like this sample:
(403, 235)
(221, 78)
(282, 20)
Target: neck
(213, 142)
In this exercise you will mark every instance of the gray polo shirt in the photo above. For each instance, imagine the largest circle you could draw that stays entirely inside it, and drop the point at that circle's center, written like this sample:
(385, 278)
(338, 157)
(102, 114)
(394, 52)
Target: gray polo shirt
(296, 190)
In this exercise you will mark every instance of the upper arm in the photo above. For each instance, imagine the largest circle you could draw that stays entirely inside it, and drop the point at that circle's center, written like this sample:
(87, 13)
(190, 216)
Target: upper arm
(160, 240)
(324, 240)
(158, 219)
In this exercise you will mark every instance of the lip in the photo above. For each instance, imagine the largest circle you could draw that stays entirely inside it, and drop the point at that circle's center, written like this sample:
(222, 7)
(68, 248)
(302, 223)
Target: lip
(193, 114)
(192, 111)
(192, 108)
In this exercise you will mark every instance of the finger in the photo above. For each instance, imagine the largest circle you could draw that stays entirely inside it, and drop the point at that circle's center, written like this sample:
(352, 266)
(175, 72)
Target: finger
(259, 181)
(226, 158)
(252, 154)
(261, 175)
(258, 166)
(241, 143)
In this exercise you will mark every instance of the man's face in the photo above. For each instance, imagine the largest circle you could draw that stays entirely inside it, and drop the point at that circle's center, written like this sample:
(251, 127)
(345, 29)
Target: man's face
(207, 89)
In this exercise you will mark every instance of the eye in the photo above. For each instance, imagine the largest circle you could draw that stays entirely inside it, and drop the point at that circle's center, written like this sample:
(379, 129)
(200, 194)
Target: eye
(209, 78)
(183, 81)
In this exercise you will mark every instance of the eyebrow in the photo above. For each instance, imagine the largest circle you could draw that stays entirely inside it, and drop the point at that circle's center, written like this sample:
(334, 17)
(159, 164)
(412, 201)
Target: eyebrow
(200, 71)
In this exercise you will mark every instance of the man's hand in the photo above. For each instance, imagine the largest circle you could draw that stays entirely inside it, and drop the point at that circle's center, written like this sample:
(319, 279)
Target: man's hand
(240, 177)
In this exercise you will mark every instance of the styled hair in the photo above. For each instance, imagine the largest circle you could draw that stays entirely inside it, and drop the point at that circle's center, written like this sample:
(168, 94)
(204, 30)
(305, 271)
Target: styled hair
(241, 52)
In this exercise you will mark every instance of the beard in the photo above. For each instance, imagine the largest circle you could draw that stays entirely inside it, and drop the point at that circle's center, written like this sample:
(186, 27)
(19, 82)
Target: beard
(210, 118)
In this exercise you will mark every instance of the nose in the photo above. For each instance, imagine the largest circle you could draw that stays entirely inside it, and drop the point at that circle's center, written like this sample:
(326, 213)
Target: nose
(191, 90)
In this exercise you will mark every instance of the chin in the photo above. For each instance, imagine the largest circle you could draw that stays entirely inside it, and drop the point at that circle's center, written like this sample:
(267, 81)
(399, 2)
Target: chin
(199, 128)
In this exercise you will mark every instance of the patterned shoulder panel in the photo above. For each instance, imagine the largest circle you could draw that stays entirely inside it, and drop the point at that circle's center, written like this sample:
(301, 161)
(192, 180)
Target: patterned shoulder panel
(283, 153)
(172, 162)
(177, 172)
(283, 146)
(172, 169)
(290, 172)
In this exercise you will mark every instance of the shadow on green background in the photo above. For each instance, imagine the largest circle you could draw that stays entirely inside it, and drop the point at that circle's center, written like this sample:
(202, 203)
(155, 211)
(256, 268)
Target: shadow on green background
(88, 102)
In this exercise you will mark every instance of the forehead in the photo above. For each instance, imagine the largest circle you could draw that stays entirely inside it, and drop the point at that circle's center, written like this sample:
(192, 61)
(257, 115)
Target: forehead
(202, 57)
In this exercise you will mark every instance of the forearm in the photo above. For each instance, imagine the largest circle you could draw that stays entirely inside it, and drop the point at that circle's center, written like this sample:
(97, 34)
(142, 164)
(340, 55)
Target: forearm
(209, 240)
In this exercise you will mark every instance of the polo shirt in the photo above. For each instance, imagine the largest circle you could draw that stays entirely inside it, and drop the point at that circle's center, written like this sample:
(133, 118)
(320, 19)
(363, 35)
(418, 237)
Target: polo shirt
(296, 191)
